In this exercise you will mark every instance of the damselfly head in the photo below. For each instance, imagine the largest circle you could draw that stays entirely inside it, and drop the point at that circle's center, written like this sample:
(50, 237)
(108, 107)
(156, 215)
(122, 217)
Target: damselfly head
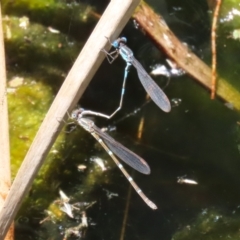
(123, 40)
(117, 42)
(75, 113)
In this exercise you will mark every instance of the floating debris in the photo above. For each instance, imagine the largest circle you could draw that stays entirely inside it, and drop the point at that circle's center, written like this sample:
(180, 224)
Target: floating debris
(54, 214)
(183, 180)
(175, 102)
(81, 167)
(99, 162)
(109, 194)
(66, 207)
(50, 216)
(53, 30)
(16, 82)
(78, 231)
(84, 205)
(159, 69)
(62, 205)
(24, 22)
(63, 196)
(173, 71)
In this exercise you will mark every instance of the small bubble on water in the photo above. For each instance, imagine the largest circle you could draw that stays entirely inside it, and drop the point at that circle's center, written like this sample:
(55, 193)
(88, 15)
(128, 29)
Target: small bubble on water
(176, 102)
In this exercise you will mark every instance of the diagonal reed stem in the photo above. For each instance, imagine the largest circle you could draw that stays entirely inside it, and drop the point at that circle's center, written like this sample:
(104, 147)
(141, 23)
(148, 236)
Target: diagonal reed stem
(110, 25)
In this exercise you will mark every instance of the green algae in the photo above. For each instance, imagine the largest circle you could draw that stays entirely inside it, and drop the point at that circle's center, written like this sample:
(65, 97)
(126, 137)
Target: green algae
(35, 56)
(27, 107)
(211, 224)
(37, 52)
(39, 55)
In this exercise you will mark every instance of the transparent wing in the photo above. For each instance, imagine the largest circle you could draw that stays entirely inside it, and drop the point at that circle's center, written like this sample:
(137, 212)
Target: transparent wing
(154, 91)
(123, 153)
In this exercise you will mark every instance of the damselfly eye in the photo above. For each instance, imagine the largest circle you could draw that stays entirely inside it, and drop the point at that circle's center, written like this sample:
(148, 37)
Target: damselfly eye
(123, 39)
(74, 115)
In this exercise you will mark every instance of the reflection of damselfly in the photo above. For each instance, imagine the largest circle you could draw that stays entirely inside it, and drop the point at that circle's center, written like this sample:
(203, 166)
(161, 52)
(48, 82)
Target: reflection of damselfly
(113, 147)
(154, 91)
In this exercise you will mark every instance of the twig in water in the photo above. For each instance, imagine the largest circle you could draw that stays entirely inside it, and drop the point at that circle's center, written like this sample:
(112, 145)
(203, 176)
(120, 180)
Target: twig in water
(214, 54)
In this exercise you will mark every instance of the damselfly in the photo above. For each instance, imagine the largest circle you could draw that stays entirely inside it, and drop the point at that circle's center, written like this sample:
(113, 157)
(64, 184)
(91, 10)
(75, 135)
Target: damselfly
(113, 147)
(154, 91)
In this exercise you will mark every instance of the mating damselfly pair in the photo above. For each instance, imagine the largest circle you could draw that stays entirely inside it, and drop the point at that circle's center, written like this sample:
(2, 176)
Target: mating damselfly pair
(111, 146)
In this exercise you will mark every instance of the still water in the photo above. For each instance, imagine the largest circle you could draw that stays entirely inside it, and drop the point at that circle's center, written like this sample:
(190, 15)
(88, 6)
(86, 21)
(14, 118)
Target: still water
(197, 141)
